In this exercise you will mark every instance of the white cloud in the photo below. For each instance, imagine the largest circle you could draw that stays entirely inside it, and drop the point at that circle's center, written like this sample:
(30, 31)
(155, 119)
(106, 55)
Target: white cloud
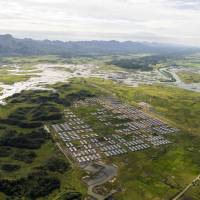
(175, 21)
(186, 4)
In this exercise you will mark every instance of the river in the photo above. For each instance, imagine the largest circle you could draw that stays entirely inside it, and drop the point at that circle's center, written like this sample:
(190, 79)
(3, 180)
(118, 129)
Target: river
(46, 74)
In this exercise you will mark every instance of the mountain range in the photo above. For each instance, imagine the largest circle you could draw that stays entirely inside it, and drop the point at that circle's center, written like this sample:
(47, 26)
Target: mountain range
(10, 46)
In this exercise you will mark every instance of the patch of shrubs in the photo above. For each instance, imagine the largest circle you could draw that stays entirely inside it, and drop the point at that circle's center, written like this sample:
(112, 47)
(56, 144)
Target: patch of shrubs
(193, 148)
(35, 97)
(10, 167)
(5, 151)
(38, 134)
(41, 184)
(38, 97)
(36, 184)
(25, 156)
(21, 141)
(56, 165)
(33, 116)
(142, 63)
(2, 126)
(20, 123)
(80, 95)
(45, 112)
(31, 140)
(43, 106)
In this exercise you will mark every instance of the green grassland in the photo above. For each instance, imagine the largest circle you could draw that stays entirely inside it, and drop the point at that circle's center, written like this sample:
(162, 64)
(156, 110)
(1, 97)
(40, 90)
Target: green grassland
(7, 77)
(194, 192)
(31, 60)
(160, 173)
(155, 174)
(11, 79)
(189, 77)
(189, 61)
(180, 107)
(26, 64)
(28, 104)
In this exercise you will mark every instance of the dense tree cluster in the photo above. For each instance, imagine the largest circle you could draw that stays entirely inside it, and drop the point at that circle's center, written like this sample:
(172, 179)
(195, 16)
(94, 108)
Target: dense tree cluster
(142, 63)
(56, 165)
(25, 156)
(38, 97)
(10, 167)
(32, 140)
(45, 99)
(5, 151)
(36, 184)
(44, 106)
(32, 117)
(80, 95)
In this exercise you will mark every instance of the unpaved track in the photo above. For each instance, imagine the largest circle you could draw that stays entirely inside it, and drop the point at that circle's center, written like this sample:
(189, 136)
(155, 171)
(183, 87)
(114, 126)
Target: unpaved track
(64, 152)
(187, 188)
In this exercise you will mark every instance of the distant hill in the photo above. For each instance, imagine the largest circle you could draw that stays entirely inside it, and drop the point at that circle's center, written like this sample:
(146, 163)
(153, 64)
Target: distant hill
(10, 46)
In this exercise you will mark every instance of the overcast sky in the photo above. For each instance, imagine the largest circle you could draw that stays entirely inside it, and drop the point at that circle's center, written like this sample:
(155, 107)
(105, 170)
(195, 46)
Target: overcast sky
(174, 21)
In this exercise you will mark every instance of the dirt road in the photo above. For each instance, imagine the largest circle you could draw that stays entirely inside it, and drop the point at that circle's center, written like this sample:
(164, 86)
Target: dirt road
(187, 188)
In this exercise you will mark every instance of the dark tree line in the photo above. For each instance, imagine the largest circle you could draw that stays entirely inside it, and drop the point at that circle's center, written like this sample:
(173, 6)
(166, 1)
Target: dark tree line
(32, 140)
(36, 184)
(143, 63)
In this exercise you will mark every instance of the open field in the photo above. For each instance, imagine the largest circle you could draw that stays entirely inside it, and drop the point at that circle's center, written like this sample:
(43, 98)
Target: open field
(193, 191)
(20, 69)
(163, 173)
(9, 76)
(189, 77)
(31, 60)
(192, 61)
(11, 79)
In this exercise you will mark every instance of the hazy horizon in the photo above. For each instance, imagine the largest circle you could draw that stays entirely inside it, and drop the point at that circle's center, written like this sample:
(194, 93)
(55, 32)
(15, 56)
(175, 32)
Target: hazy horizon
(98, 40)
(161, 21)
